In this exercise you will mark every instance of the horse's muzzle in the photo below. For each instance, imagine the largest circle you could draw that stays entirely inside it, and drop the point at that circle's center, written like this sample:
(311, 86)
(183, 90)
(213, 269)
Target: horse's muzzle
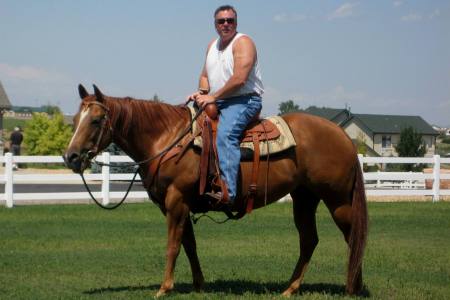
(74, 161)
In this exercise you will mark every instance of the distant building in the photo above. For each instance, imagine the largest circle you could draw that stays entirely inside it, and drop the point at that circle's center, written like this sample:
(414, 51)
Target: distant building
(4, 106)
(24, 112)
(442, 130)
(381, 133)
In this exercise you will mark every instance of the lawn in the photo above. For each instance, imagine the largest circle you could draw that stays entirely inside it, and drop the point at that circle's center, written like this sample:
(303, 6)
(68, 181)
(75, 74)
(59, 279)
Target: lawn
(83, 252)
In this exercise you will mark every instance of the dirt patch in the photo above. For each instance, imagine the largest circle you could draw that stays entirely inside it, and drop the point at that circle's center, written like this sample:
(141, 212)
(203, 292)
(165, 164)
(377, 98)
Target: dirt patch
(405, 198)
(444, 183)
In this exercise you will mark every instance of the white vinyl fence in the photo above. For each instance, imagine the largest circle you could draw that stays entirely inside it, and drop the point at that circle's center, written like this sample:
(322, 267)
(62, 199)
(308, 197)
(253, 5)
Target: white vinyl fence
(377, 183)
(406, 183)
(9, 178)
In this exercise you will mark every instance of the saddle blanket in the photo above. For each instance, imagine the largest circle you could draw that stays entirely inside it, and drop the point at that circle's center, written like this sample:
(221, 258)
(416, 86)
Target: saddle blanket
(283, 142)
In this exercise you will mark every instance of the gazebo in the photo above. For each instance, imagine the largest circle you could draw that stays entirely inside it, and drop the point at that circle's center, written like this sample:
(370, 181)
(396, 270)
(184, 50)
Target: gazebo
(4, 105)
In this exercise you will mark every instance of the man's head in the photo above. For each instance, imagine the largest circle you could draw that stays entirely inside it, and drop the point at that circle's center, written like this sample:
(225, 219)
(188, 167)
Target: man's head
(225, 20)
(16, 129)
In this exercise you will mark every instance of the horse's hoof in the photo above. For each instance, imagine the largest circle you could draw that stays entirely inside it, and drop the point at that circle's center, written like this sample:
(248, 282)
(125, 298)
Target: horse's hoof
(198, 289)
(198, 285)
(160, 293)
(287, 293)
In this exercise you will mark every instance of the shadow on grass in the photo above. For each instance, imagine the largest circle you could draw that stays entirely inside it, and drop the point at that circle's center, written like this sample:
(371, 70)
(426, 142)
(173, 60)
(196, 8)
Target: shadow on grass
(238, 287)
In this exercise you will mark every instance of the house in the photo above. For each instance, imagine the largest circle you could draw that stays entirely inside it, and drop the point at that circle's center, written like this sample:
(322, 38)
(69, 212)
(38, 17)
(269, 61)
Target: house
(380, 133)
(442, 130)
(4, 105)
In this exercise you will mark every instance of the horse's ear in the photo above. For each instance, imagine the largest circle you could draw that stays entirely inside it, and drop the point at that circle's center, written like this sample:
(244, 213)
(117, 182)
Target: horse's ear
(98, 94)
(82, 91)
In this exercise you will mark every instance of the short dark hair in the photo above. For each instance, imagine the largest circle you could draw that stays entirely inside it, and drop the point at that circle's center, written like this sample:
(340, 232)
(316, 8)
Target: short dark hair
(225, 7)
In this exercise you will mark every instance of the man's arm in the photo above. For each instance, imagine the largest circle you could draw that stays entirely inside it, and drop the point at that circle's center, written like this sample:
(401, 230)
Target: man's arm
(203, 84)
(244, 55)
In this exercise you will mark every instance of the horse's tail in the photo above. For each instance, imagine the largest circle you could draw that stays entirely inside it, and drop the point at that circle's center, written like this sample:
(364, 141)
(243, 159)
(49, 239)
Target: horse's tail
(358, 234)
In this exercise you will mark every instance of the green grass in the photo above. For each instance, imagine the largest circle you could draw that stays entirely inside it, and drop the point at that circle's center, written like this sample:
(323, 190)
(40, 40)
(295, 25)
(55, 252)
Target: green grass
(83, 252)
(10, 123)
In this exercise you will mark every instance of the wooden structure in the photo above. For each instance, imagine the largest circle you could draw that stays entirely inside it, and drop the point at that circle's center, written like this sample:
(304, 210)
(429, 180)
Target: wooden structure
(4, 106)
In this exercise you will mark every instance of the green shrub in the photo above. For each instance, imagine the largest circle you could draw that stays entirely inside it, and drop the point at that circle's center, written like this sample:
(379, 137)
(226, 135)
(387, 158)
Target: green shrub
(44, 135)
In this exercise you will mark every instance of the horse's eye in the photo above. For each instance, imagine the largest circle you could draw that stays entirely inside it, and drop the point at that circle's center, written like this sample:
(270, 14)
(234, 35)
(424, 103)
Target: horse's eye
(96, 122)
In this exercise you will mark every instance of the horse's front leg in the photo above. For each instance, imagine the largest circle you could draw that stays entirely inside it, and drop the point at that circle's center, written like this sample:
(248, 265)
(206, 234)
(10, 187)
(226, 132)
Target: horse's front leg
(190, 247)
(177, 214)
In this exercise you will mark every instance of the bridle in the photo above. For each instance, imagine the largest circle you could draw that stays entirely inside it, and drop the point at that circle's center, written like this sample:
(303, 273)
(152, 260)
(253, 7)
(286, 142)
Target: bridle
(105, 122)
(94, 151)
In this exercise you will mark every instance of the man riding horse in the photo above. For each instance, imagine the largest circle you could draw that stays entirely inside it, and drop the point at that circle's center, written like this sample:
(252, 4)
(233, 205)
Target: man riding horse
(231, 80)
(321, 166)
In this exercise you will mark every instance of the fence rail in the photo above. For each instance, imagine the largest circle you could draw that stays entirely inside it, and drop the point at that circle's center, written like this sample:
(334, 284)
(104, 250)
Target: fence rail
(377, 183)
(406, 183)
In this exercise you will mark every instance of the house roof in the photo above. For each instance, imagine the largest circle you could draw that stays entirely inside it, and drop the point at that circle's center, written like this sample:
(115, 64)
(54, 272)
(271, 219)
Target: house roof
(4, 101)
(325, 112)
(374, 123)
(395, 123)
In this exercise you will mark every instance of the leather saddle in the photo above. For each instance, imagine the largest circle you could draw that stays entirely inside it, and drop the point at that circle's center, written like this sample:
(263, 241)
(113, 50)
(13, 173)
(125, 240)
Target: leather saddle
(257, 132)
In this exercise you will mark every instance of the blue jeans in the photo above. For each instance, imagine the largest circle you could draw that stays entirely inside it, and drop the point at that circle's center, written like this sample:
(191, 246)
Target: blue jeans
(235, 114)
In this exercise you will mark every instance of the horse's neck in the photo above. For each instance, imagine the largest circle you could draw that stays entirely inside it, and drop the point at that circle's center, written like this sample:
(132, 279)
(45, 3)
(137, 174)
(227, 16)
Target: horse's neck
(145, 139)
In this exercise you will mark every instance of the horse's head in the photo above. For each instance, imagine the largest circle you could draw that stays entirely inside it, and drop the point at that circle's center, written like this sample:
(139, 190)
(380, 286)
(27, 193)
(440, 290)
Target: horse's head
(93, 131)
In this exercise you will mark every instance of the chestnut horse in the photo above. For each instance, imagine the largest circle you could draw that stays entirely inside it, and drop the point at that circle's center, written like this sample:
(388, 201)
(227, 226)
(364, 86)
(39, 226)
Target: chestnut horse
(323, 165)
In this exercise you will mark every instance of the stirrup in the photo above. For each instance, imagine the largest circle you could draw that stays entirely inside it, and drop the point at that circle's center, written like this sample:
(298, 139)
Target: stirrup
(218, 196)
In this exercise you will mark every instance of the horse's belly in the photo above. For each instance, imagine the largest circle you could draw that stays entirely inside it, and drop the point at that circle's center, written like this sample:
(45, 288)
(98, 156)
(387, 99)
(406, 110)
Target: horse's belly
(281, 177)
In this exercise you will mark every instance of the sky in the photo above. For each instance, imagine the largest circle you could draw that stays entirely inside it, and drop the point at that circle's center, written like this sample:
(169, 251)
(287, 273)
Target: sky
(374, 57)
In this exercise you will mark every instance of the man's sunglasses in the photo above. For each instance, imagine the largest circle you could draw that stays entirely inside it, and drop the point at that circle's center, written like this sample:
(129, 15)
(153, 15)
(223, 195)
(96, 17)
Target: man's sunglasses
(222, 21)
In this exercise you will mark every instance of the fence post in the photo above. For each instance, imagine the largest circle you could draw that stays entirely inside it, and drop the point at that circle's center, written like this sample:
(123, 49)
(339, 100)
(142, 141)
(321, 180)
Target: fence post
(9, 179)
(436, 177)
(105, 178)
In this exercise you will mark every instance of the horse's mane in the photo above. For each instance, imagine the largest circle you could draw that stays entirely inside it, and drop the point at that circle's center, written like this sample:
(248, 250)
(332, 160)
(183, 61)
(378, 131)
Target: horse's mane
(140, 114)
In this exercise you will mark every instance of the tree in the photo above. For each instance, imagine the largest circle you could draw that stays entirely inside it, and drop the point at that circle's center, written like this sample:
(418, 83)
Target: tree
(44, 135)
(156, 98)
(361, 145)
(410, 145)
(51, 109)
(287, 106)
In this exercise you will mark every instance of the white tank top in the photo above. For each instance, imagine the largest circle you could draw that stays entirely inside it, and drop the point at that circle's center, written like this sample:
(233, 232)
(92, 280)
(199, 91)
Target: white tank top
(219, 67)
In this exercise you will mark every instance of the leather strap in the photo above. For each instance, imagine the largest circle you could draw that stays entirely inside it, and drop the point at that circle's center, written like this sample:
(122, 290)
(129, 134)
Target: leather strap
(253, 187)
(204, 157)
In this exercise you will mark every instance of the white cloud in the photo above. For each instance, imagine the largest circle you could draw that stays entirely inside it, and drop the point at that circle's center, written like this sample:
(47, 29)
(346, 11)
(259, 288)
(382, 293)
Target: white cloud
(35, 86)
(289, 18)
(397, 3)
(340, 97)
(28, 73)
(412, 17)
(436, 13)
(444, 105)
(344, 11)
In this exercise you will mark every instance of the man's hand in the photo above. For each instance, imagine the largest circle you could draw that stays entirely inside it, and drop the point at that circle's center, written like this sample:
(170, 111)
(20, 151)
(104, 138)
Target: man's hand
(203, 100)
(193, 97)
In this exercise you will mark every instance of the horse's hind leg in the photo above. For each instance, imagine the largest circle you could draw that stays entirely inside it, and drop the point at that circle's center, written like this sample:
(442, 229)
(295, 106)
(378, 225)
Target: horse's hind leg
(190, 247)
(305, 205)
(341, 211)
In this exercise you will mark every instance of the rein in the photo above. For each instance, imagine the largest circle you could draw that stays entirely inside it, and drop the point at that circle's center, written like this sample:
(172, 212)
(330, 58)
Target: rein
(114, 206)
(92, 153)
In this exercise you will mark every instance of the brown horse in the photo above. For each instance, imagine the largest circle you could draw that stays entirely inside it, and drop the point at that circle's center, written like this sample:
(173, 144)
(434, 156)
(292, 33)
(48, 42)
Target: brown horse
(323, 165)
